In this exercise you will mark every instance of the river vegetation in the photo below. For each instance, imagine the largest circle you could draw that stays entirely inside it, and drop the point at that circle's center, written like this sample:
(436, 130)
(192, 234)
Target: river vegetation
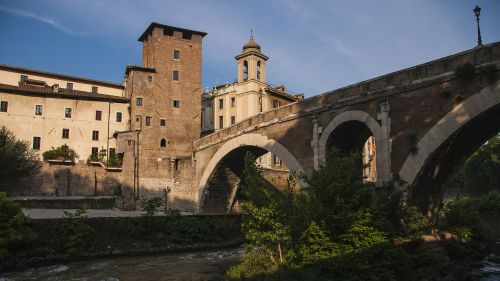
(25, 242)
(338, 227)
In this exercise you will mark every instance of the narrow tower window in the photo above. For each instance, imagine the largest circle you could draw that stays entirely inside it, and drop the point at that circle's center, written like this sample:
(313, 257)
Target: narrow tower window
(163, 143)
(258, 70)
(245, 70)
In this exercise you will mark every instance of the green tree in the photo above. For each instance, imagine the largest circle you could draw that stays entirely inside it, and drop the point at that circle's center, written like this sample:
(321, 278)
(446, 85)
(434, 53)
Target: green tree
(479, 174)
(16, 157)
(14, 230)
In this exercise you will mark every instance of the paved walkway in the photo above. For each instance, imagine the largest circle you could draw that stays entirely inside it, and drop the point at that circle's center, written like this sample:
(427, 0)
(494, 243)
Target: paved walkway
(91, 213)
(38, 214)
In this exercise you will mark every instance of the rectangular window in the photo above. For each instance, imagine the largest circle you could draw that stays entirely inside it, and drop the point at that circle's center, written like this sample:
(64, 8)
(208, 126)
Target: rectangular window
(150, 78)
(186, 35)
(24, 78)
(233, 120)
(4, 106)
(95, 135)
(94, 89)
(168, 32)
(36, 143)
(118, 117)
(69, 86)
(276, 103)
(221, 122)
(221, 103)
(98, 115)
(177, 103)
(38, 109)
(67, 112)
(175, 76)
(95, 151)
(138, 101)
(233, 102)
(163, 122)
(177, 55)
(148, 120)
(65, 133)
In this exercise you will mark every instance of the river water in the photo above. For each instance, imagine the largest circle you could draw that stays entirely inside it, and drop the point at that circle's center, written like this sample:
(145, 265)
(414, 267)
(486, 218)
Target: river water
(196, 266)
(491, 266)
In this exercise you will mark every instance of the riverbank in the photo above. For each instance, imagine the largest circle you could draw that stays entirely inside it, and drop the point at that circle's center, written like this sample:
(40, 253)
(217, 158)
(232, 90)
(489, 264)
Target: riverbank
(197, 265)
(76, 238)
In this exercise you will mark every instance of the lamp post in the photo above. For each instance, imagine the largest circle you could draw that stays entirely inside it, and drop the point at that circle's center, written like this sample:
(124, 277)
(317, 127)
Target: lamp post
(477, 12)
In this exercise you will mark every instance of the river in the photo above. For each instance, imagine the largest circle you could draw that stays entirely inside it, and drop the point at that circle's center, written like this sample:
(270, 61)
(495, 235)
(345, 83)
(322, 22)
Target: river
(491, 266)
(195, 266)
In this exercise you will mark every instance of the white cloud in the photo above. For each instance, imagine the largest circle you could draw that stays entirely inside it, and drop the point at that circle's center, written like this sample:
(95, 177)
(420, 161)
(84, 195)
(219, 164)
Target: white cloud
(43, 19)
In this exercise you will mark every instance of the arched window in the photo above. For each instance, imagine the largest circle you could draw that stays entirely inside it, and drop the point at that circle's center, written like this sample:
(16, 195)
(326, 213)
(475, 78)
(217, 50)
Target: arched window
(258, 70)
(163, 143)
(245, 70)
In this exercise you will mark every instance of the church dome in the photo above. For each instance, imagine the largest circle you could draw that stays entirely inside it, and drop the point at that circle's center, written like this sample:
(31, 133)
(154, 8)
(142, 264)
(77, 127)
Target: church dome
(251, 45)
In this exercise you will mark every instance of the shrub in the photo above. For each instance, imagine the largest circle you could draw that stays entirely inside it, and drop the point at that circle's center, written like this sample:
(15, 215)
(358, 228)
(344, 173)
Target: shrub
(62, 153)
(14, 230)
(150, 205)
(74, 233)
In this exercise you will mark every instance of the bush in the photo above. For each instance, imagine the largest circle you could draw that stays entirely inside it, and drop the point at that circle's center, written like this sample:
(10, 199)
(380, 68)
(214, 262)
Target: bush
(63, 153)
(14, 230)
(150, 205)
(74, 233)
(473, 217)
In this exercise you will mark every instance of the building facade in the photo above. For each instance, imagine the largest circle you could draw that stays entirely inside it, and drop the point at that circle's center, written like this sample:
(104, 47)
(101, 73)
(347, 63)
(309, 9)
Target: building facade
(50, 110)
(250, 95)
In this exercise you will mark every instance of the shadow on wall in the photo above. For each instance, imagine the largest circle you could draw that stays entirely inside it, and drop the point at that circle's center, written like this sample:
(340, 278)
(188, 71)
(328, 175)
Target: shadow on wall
(66, 180)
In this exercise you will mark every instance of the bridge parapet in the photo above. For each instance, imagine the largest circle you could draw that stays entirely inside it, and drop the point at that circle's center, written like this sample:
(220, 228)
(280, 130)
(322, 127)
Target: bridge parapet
(376, 88)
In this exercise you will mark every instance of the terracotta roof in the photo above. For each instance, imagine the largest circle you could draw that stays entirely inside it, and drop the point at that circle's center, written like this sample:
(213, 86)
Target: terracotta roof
(155, 24)
(51, 92)
(58, 75)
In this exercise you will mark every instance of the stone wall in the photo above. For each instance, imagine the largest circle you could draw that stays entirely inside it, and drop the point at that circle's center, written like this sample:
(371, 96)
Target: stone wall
(79, 179)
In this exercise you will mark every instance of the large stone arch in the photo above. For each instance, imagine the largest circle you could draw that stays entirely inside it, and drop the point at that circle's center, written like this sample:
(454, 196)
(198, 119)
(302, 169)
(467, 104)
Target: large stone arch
(447, 126)
(256, 140)
(379, 132)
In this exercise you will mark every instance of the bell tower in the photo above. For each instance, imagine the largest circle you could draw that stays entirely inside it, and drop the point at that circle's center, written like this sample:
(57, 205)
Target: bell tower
(251, 63)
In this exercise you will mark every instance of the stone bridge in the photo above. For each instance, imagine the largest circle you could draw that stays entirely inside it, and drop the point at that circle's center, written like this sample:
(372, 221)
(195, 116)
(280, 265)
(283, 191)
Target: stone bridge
(426, 121)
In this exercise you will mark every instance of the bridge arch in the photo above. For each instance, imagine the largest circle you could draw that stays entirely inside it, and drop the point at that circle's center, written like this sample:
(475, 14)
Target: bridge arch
(247, 140)
(378, 132)
(463, 113)
(448, 144)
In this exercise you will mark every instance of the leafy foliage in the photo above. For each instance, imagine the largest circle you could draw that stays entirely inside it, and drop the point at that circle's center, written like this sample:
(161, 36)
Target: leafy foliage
(63, 153)
(16, 157)
(75, 233)
(479, 174)
(14, 230)
(335, 218)
(150, 205)
(473, 217)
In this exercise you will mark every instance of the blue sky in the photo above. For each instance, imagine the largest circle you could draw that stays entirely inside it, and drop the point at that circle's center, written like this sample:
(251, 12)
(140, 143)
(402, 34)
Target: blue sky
(314, 46)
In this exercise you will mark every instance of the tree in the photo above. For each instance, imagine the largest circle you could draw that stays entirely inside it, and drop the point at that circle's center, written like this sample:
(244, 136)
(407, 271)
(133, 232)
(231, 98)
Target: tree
(16, 157)
(479, 174)
(14, 230)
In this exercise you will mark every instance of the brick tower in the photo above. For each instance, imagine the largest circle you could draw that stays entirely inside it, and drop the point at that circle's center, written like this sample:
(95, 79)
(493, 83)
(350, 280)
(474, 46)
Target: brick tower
(165, 107)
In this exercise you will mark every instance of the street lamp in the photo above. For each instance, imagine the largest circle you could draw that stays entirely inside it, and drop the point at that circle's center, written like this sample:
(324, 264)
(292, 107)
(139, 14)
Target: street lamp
(477, 12)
